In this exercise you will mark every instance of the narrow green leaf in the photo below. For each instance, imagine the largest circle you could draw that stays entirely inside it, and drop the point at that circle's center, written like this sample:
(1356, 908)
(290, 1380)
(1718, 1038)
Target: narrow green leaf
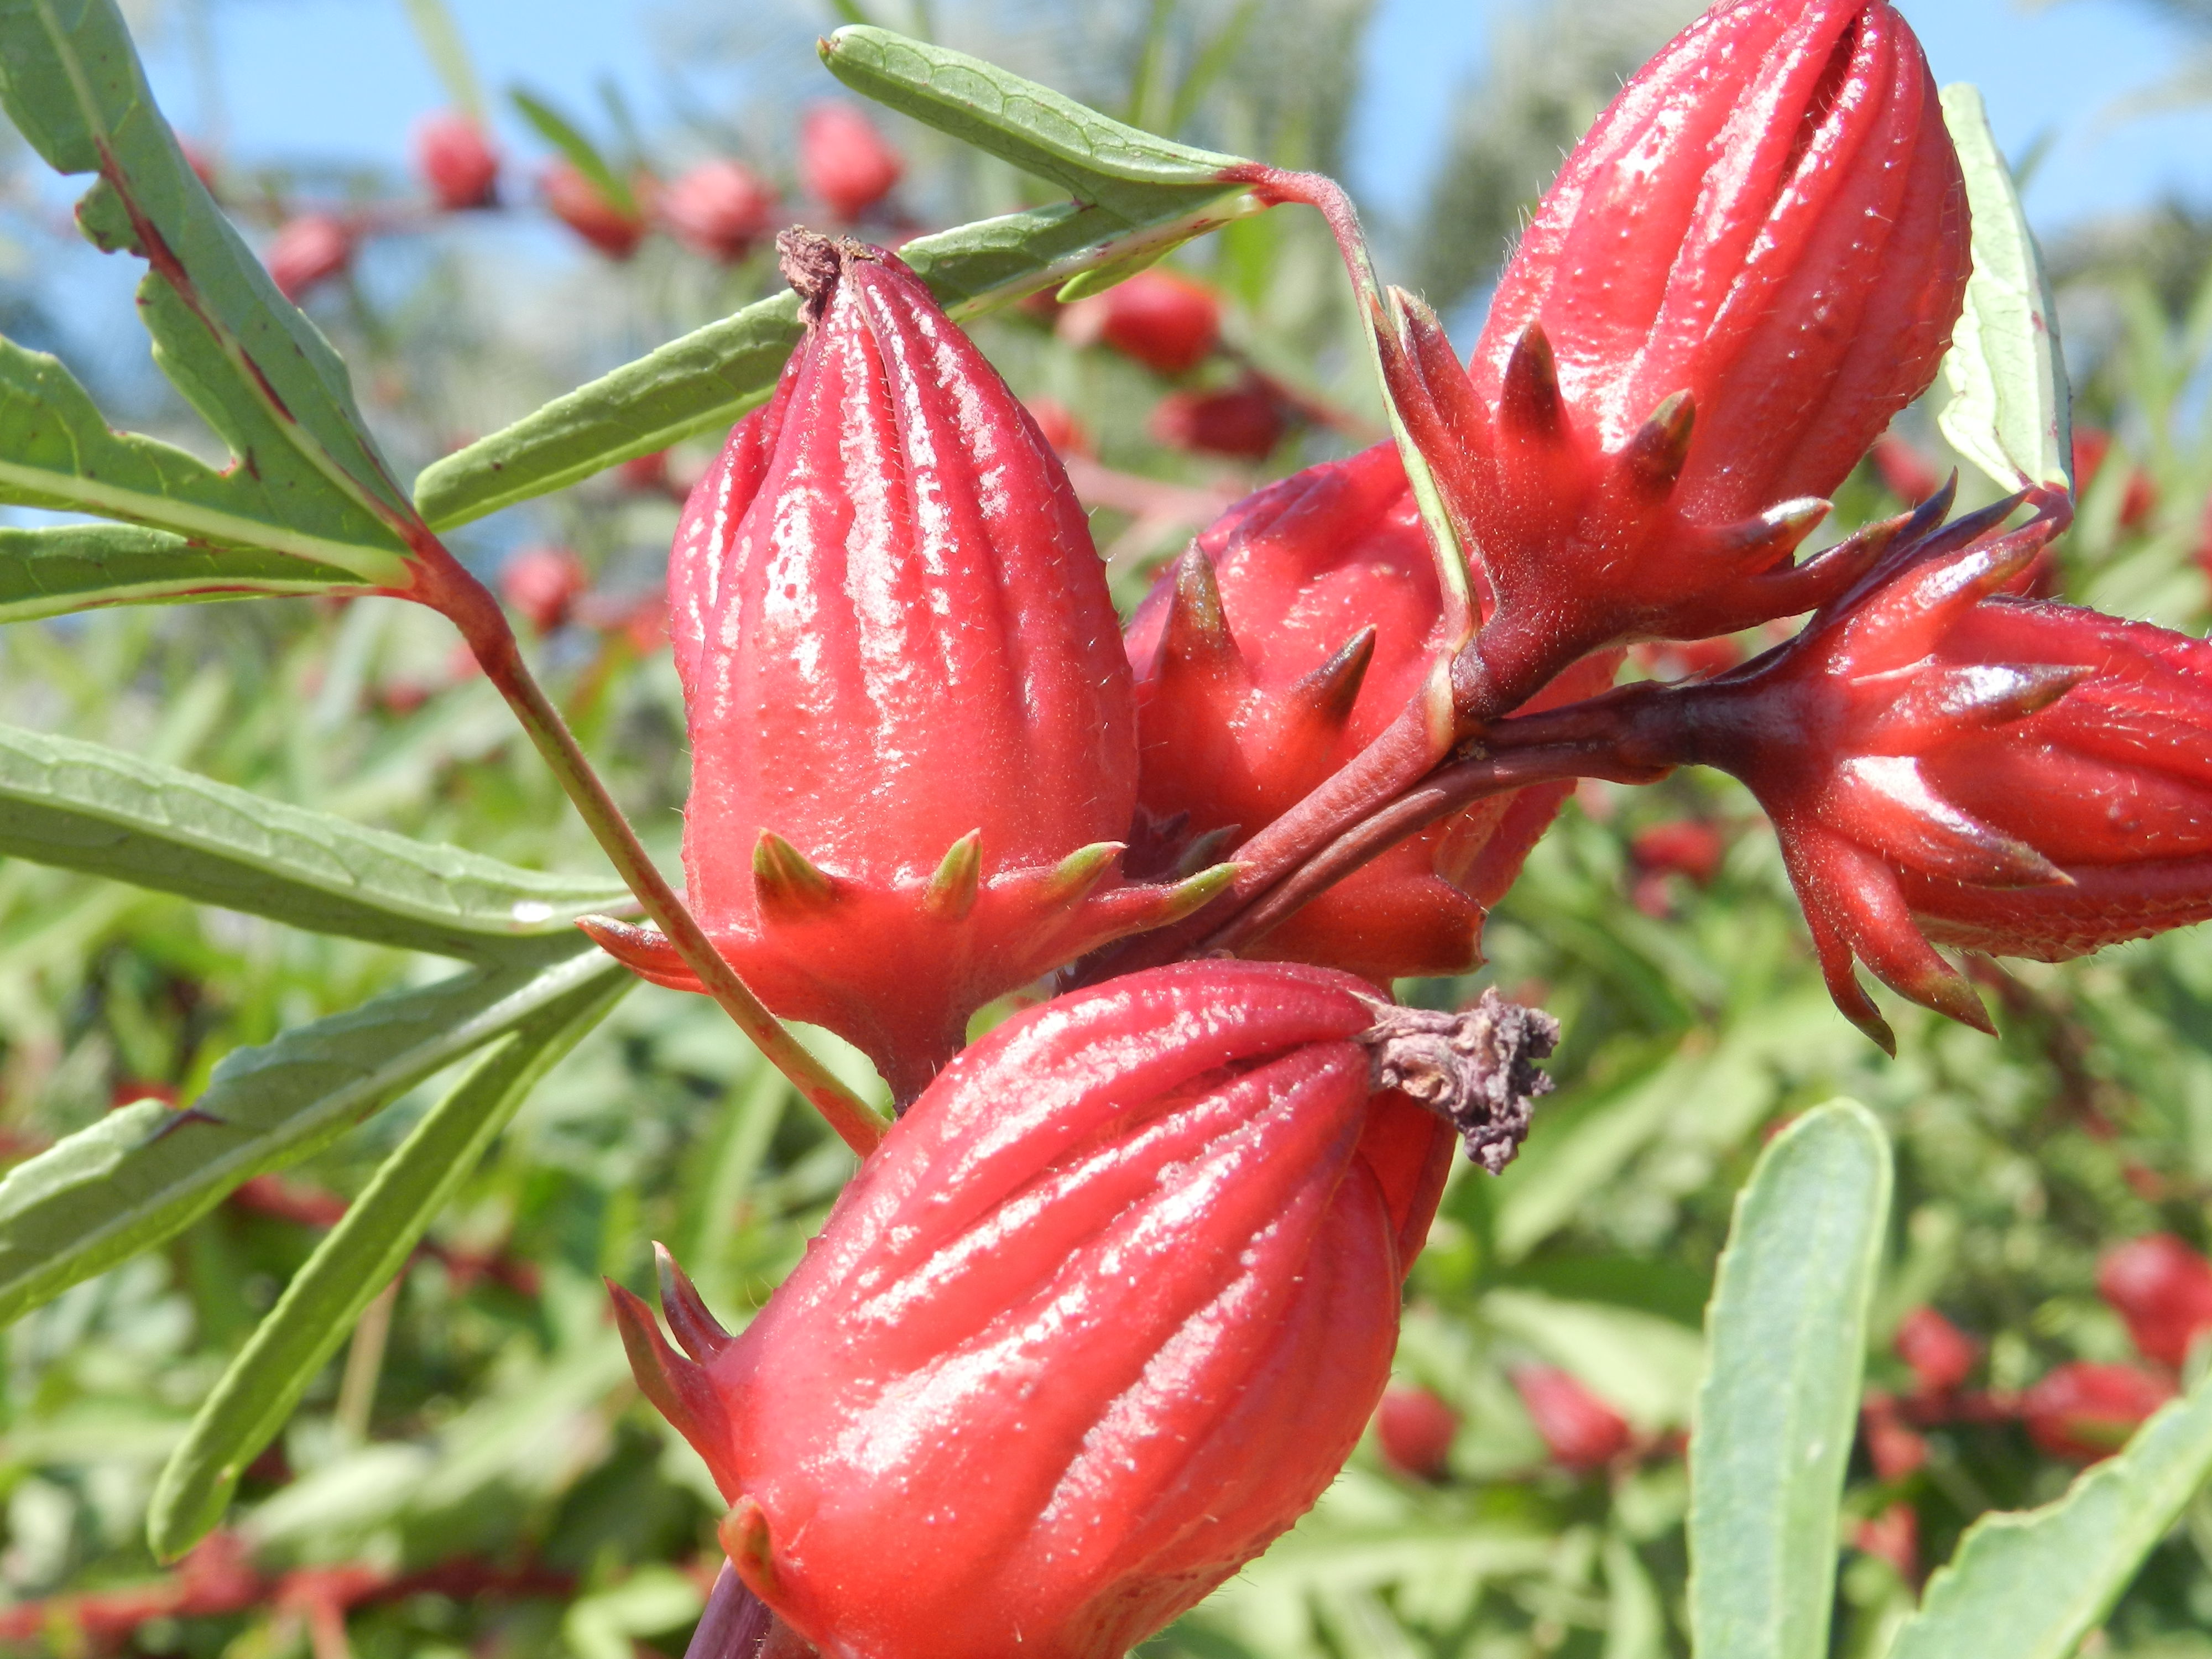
(1787, 1333)
(311, 1320)
(556, 130)
(52, 571)
(1092, 156)
(58, 451)
(309, 480)
(83, 806)
(2009, 409)
(2032, 1586)
(710, 377)
(146, 1171)
(448, 54)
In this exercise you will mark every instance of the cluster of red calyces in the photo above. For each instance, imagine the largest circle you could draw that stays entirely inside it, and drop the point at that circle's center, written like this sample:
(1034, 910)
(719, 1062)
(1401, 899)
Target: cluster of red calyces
(1116, 1294)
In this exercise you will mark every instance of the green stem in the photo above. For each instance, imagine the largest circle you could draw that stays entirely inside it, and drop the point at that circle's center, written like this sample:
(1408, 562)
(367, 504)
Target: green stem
(445, 585)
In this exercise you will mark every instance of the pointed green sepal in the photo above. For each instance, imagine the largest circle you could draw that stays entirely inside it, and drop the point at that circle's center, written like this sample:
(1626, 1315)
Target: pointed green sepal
(1075, 876)
(951, 891)
(787, 883)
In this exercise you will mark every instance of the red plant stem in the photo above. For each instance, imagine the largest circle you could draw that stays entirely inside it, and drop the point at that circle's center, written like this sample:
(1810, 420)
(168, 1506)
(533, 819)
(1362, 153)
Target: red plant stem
(1443, 793)
(442, 584)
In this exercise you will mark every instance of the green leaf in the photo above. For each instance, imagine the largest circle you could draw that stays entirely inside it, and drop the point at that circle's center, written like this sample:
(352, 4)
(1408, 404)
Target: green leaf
(1787, 1331)
(83, 806)
(448, 54)
(352, 1264)
(1092, 156)
(307, 480)
(146, 1171)
(556, 130)
(2033, 1586)
(712, 376)
(50, 572)
(2010, 410)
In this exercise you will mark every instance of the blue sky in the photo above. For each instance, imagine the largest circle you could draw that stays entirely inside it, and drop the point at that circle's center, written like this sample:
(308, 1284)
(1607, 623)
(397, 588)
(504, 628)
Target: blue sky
(341, 79)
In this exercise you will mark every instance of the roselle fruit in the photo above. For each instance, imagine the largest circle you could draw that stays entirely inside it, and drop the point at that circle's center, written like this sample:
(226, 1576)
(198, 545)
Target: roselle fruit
(1243, 422)
(1946, 763)
(1580, 1430)
(308, 250)
(543, 584)
(1942, 1355)
(455, 159)
(2084, 1412)
(1103, 1315)
(913, 761)
(1415, 1430)
(2163, 1290)
(1165, 320)
(844, 162)
(720, 209)
(1751, 262)
(1285, 640)
(572, 198)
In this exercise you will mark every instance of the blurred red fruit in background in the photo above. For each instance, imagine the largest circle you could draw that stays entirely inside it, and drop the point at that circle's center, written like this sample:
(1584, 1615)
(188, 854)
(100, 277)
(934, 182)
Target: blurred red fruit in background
(2084, 1412)
(1165, 320)
(720, 208)
(1942, 1355)
(308, 249)
(2092, 445)
(1062, 431)
(1903, 471)
(2163, 1290)
(1581, 1430)
(1414, 1430)
(543, 584)
(579, 204)
(456, 161)
(1244, 423)
(844, 162)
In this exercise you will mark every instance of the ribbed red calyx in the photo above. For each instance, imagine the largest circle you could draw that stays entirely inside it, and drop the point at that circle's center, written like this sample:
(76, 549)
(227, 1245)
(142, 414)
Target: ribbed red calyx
(913, 754)
(1102, 1316)
(1942, 761)
(1749, 265)
(1580, 1430)
(1291, 633)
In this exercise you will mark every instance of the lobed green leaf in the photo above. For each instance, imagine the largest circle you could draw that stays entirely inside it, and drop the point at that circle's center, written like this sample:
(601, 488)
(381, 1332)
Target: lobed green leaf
(2009, 409)
(84, 806)
(53, 571)
(146, 1171)
(307, 480)
(1776, 1416)
(2033, 1586)
(311, 1320)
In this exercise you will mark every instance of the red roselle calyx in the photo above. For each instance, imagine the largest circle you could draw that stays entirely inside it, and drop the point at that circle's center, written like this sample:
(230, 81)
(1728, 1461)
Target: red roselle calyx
(1580, 1430)
(1748, 266)
(456, 161)
(2163, 1290)
(720, 208)
(580, 204)
(913, 755)
(1167, 321)
(2084, 1412)
(308, 250)
(1102, 1316)
(844, 162)
(2009, 776)
(1289, 635)
(1415, 1430)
